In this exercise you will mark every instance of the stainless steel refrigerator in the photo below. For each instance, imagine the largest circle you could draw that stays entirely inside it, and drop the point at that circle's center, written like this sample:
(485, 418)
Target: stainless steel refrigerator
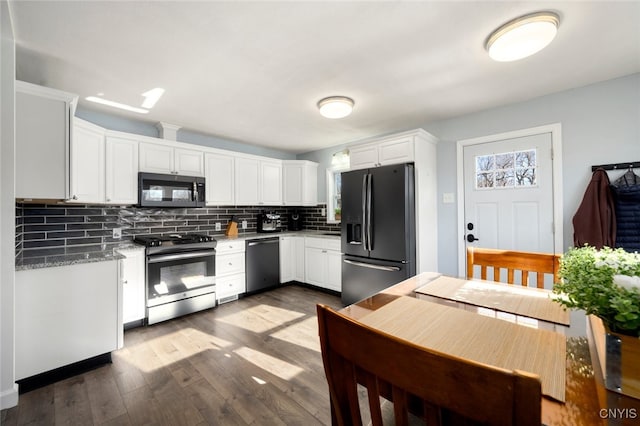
(378, 230)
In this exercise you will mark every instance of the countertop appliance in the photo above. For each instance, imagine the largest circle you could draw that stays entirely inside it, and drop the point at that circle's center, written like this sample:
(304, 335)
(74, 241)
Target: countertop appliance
(269, 222)
(378, 229)
(262, 264)
(295, 221)
(180, 274)
(164, 190)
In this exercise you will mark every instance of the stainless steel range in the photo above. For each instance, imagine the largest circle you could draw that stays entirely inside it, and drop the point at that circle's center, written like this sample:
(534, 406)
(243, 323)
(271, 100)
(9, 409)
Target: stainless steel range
(180, 274)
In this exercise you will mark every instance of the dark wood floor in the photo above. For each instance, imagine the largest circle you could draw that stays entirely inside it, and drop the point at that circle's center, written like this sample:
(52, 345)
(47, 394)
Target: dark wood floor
(253, 361)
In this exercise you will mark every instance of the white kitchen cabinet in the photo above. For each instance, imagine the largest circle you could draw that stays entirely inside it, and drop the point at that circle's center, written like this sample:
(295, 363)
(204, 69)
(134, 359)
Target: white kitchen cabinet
(300, 183)
(258, 182)
(322, 263)
(66, 314)
(43, 124)
(133, 284)
(168, 159)
(247, 181)
(87, 170)
(219, 174)
(270, 183)
(230, 270)
(394, 150)
(292, 252)
(121, 170)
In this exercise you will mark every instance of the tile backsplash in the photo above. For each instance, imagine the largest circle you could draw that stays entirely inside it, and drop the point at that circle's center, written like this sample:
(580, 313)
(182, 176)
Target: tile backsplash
(54, 229)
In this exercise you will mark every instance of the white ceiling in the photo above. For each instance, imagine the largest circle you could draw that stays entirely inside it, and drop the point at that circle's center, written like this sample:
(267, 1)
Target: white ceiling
(254, 71)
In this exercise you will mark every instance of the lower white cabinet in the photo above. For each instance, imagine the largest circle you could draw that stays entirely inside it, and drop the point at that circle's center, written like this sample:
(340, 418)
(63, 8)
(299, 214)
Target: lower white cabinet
(133, 284)
(292, 259)
(322, 263)
(230, 270)
(66, 314)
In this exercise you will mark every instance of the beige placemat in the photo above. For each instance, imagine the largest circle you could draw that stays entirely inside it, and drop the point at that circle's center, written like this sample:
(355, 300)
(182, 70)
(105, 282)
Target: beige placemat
(526, 301)
(476, 337)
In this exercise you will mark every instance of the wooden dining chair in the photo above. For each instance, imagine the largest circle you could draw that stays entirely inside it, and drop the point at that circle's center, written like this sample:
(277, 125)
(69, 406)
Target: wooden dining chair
(525, 262)
(438, 388)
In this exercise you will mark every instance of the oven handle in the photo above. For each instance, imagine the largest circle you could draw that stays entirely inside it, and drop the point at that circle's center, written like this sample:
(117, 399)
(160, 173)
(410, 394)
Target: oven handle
(179, 256)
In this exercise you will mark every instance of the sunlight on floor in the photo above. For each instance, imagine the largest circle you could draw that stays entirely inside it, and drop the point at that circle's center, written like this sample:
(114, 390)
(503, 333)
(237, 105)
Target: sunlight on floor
(291, 334)
(272, 365)
(175, 347)
(260, 318)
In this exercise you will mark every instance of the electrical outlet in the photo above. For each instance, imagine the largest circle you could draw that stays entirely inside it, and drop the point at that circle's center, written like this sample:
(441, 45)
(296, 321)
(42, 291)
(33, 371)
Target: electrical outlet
(218, 226)
(117, 233)
(244, 224)
(324, 212)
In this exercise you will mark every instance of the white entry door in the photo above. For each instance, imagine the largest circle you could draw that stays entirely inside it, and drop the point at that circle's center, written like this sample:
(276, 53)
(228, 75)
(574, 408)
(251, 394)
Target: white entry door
(508, 185)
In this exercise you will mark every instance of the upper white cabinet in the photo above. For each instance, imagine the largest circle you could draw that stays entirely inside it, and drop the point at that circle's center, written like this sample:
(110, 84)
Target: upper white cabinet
(258, 182)
(121, 174)
(390, 151)
(270, 183)
(247, 180)
(87, 163)
(300, 183)
(43, 132)
(161, 158)
(219, 175)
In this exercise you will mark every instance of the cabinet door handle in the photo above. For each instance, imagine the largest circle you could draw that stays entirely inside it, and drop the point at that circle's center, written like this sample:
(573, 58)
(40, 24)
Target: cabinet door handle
(108, 199)
(75, 197)
(125, 282)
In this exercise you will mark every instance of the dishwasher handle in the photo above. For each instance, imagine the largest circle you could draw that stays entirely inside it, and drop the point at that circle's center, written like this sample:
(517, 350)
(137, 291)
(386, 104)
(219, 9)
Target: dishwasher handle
(251, 243)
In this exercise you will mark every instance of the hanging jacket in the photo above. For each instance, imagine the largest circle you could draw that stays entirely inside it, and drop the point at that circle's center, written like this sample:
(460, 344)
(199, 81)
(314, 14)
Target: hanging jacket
(627, 208)
(595, 222)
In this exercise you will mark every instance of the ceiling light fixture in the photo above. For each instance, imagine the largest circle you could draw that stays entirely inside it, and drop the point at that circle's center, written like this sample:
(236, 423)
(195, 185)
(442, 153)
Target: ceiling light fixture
(115, 104)
(335, 106)
(522, 36)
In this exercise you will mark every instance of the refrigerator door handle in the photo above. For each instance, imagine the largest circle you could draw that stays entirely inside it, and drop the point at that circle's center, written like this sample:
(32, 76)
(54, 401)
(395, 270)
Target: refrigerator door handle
(368, 228)
(364, 211)
(371, 266)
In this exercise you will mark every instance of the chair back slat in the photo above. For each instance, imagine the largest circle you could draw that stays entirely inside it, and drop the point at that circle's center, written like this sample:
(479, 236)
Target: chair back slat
(449, 390)
(525, 262)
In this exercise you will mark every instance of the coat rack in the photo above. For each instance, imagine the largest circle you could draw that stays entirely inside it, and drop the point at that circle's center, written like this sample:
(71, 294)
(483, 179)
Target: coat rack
(618, 166)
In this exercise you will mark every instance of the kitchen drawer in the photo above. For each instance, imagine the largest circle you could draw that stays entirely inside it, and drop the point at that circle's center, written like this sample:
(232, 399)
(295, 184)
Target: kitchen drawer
(323, 243)
(333, 244)
(230, 285)
(229, 263)
(230, 246)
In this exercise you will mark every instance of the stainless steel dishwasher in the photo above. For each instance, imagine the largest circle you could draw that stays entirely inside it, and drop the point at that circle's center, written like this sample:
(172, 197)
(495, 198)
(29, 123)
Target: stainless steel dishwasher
(263, 264)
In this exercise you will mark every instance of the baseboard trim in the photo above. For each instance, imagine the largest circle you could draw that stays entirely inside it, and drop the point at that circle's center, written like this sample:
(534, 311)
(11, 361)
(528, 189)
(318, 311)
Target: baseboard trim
(43, 379)
(9, 398)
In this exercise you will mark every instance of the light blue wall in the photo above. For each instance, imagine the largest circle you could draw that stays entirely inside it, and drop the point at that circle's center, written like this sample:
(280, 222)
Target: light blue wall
(122, 124)
(600, 124)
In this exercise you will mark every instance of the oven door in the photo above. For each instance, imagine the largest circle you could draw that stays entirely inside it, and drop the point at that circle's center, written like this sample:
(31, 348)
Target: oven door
(176, 276)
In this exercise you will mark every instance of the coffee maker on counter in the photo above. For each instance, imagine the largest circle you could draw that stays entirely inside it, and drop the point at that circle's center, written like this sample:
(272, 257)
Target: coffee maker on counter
(295, 221)
(269, 222)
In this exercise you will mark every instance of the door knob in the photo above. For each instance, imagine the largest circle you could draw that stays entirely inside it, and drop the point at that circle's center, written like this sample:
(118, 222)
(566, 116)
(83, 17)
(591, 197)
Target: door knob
(471, 238)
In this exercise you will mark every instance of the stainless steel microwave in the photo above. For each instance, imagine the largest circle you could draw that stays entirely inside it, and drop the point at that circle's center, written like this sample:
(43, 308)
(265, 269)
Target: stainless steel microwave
(163, 190)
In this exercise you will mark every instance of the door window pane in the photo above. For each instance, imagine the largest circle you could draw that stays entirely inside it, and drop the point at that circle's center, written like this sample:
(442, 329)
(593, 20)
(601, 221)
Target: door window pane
(515, 169)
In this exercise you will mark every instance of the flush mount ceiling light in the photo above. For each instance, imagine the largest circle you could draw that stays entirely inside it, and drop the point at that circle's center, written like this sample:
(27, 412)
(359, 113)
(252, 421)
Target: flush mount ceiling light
(335, 106)
(522, 36)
